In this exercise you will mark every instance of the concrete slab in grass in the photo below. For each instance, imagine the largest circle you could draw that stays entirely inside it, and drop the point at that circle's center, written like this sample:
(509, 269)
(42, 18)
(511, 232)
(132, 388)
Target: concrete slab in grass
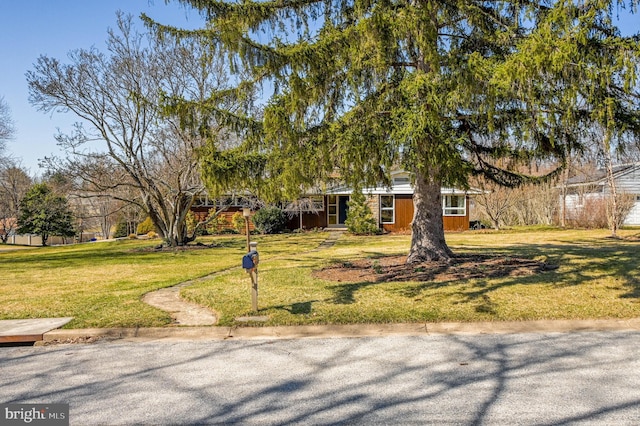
(28, 330)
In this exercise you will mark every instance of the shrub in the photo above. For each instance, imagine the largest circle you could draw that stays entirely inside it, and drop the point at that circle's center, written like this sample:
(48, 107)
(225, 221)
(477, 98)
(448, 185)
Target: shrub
(360, 220)
(191, 221)
(269, 220)
(133, 237)
(591, 215)
(237, 221)
(217, 222)
(146, 227)
(194, 225)
(122, 229)
(152, 235)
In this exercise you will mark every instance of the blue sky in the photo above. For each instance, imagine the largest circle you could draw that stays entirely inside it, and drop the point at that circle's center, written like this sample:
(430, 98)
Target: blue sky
(30, 28)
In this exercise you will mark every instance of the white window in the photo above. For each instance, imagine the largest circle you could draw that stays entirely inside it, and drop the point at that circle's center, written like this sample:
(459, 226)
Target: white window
(318, 202)
(387, 209)
(454, 205)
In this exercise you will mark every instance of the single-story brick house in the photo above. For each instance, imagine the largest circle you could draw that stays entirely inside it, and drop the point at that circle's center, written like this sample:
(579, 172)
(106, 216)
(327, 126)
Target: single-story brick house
(231, 205)
(391, 207)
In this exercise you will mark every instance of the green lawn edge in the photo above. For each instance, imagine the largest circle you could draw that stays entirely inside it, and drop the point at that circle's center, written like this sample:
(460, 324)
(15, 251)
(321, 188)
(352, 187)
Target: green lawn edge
(101, 284)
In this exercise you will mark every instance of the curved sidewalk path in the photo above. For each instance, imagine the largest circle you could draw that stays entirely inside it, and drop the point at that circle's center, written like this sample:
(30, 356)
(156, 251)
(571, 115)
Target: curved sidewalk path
(183, 313)
(191, 314)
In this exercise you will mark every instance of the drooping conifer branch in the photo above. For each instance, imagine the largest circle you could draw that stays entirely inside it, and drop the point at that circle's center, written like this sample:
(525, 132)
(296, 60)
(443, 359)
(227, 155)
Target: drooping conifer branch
(444, 89)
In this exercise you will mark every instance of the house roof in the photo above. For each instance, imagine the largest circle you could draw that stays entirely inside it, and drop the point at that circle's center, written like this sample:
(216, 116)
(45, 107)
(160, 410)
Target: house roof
(401, 184)
(599, 177)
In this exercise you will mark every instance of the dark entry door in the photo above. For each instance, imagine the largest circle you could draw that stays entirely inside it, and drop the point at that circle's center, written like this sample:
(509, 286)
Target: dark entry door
(343, 208)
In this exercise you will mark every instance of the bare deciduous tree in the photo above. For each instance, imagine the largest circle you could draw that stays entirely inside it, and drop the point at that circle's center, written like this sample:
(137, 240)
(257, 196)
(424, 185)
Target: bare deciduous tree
(300, 206)
(495, 202)
(529, 204)
(7, 128)
(14, 184)
(132, 140)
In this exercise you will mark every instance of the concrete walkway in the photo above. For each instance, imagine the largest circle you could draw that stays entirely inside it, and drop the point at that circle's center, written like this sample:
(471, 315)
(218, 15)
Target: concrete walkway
(190, 314)
(183, 312)
(334, 236)
(28, 330)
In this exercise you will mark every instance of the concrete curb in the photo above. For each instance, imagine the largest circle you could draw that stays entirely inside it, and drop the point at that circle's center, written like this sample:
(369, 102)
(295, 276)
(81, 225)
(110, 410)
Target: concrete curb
(338, 331)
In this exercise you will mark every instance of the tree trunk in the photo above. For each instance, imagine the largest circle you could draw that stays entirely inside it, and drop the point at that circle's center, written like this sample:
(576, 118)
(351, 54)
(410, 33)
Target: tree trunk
(563, 192)
(300, 219)
(170, 219)
(612, 203)
(427, 239)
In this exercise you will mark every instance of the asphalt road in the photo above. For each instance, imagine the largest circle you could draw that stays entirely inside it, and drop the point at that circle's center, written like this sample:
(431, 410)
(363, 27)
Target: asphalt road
(526, 379)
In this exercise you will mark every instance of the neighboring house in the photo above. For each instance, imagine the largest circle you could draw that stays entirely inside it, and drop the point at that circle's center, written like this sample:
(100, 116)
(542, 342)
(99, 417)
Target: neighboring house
(8, 225)
(587, 195)
(391, 207)
(228, 206)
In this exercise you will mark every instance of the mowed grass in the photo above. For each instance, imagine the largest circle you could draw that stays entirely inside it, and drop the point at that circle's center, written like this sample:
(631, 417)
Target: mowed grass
(101, 284)
(597, 277)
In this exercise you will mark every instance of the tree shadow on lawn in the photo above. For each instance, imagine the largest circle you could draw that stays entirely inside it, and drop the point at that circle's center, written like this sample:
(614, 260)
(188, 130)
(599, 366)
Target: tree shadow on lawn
(563, 265)
(98, 255)
(70, 259)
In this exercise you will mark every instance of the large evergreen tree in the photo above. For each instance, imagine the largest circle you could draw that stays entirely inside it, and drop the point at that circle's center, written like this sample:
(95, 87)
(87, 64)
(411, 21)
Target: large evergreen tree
(45, 213)
(443, 89)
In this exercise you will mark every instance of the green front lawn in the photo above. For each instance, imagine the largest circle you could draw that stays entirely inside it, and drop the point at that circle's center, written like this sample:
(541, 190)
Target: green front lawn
(597, 277)
(101, 284)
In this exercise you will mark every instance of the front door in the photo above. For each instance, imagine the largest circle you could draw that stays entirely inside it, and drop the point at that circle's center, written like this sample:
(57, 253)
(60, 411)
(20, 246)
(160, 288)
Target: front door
(337, 209)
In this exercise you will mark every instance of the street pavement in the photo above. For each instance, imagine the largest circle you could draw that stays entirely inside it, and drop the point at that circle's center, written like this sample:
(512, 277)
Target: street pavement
(545, 378)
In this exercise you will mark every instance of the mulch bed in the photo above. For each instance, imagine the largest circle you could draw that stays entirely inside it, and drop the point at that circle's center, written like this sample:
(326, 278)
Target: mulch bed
(461, 267)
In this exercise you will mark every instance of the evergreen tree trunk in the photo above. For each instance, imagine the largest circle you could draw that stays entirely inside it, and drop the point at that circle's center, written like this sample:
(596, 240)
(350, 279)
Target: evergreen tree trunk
(427, 239)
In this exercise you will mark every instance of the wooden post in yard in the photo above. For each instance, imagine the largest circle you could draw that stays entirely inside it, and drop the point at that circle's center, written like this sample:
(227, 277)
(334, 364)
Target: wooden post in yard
(254, 277)
(246, 212)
